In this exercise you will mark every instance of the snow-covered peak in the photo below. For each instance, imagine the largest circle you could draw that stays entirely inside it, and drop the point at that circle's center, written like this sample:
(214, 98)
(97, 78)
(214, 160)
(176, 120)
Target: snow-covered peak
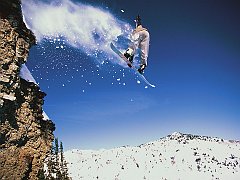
(181, 137)
(176, 135)
(177, 156)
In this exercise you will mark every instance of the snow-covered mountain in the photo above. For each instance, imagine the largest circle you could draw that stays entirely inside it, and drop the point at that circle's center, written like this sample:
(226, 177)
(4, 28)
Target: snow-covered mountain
(175, 157)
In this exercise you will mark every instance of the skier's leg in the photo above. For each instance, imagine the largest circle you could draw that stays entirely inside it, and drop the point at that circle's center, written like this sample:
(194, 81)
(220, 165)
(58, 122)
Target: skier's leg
(144, 49)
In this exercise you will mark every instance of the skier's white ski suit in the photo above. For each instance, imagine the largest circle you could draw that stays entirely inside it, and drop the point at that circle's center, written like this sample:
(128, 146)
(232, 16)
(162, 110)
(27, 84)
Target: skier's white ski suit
(140, 39)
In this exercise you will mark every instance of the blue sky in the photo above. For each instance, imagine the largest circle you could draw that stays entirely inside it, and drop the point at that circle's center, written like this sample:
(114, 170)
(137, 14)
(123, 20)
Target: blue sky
(194, 61)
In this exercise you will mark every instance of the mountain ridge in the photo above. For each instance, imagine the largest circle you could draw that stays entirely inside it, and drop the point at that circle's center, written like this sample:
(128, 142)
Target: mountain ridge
(176, 156)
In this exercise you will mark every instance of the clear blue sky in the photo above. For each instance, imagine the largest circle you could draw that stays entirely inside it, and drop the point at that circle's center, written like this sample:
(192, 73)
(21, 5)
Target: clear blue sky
(194, 61)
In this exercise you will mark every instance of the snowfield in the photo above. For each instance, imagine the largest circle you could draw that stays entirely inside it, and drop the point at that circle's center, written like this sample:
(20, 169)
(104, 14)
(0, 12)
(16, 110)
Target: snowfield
(175, 157)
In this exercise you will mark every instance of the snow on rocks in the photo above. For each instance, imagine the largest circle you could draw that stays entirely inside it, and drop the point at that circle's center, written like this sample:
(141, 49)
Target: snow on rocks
(177, 156)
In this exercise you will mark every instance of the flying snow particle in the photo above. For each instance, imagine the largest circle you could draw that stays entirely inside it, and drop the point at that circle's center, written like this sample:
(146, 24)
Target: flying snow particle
(62, 31)
(138, 82)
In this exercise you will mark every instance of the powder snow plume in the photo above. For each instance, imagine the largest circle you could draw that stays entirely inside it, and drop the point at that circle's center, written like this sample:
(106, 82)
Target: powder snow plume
(81, 26)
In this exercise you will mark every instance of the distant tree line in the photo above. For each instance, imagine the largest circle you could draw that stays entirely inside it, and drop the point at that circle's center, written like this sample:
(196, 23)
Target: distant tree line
(55, 167)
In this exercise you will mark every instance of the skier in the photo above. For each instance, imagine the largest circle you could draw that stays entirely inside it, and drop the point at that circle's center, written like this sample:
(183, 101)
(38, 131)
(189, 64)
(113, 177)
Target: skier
(139, 39)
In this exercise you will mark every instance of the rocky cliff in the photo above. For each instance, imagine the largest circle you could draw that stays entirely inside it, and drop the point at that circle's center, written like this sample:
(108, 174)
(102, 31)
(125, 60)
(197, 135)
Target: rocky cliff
(25, 138)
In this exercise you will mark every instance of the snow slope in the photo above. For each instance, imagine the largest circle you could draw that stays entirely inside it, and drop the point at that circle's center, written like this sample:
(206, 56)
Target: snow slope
(175, 157)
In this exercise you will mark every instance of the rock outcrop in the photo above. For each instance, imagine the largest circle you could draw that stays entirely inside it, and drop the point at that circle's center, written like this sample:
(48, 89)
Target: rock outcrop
(25, 138)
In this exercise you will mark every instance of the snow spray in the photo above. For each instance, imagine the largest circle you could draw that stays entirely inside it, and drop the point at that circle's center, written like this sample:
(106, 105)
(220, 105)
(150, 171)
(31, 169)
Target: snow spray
(82, 26)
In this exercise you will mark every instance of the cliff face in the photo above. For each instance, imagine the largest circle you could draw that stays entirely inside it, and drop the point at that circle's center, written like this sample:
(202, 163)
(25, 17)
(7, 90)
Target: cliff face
(25, 138)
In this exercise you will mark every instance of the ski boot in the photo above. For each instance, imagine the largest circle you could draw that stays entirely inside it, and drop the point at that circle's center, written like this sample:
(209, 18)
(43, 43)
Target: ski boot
(141, 68)
(129, 55)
